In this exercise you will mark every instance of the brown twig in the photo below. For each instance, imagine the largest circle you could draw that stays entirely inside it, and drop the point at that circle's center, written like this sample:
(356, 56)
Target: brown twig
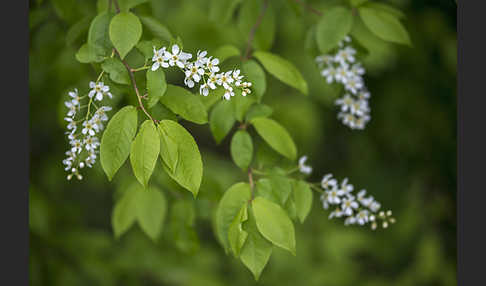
(309, 8)
(253, 31)
(117, 7)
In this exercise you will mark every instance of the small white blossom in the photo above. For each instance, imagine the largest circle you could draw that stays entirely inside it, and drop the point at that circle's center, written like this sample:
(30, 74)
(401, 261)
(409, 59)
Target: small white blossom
(177, 57)
(304, 168)
(98, 90)
(334, 196)
(212, 65)
(328, 182)
(89, 128)
(159, 60)
(349, 205)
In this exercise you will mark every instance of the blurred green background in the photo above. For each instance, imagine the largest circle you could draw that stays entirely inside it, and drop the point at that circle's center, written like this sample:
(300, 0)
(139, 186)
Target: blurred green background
(406, 157)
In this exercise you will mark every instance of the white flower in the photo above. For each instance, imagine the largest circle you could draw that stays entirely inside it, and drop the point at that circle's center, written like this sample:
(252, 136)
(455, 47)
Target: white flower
(347, 119)
(329, 73)
(345, 55)
(345, 187)
(177, 57)
(159, 60)
(212, 81)
(237, 77)
(375, 206)
(333, 196)
(89, 128)
(348, 205)
(362, 217)
(212, 65)
(99, 89)
(228, 93)
(77, 146)
(367, 201)
(304, 168)
(350, 220)
(342, 74)
(345, 102)
(327, 182)
(72, 124)
(201, 58)
(336, 213)
(225, 79)
(353, 84)
(204, 90)
(357, 69)
(363, 94)
(72, 108)
(101, 112)
(324, 60)
(359, 107)
(323, 198)
(75, 97)
(91, 143)
(193, 73)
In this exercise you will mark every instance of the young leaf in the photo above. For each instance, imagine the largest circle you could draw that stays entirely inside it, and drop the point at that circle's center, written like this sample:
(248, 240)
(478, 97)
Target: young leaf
(98, 32)
(281, 187)
(125, 211)
(236, 235)
(302, 195)
(144, 152)
(225, 52)
(242, 149)
(264, 189)
(257, 250)
(332, 27)
(221, 11)
(385, 25)
(276, 136)
(180, 155)
(116, 140)
(254, 73)
(88, 54)
(283, 70)
(221, 120)
(156, 86)
(157, 29)
(78, 29)
(241, 104)
(118, 72)
(377, 6)
(182, 102)
(274, 224)
(228, 208)
(151, 211)
(125, 32)
(258, 110)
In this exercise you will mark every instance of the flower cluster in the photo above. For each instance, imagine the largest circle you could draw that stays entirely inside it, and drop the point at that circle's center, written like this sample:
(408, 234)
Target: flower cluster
(343, 68)
(357, 209)
(202, 69)
(84, 127)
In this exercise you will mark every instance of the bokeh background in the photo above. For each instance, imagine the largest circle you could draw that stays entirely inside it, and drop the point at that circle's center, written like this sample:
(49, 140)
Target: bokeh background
(406, 158)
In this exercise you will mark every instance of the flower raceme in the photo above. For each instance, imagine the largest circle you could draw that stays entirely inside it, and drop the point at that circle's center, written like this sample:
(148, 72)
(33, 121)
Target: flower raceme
(343, 68)
(203, 70)
(83, 128)
(356, 209)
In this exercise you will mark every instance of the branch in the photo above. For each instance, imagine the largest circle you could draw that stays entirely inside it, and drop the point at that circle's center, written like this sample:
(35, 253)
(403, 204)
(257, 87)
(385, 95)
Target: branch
(309, 8)
(253, 30)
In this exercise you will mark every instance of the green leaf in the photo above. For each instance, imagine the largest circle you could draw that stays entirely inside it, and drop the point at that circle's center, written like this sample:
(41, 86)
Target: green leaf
(254, 73)
(228, 208)
(180, 155)
(144, 152)
(257, 250)
(248, 15)
(77, 30)
(98, 32)
(275, 188)
(156, 86)
(276, 136)
(213, 97)
(181, 229)
(88, 54)
(242, 149)
(225, 52)
(236, 235)
(157, 29)
(221, 11)
(117, 71)
(258, 110)
(283, 70)
(116, 140)
(125, 32)
(182, 102)
(385, 25)
(387, 8)
(302, 195)
(221, 120)
(274, 224)
(264, 189)
(333, 26)
(356, 3)
(124, 213)
(241, 104)
(151, 211)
